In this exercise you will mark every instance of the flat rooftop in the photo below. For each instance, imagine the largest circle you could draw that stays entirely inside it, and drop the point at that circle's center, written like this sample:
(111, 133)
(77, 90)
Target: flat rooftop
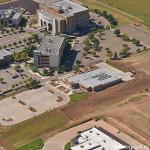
(65, 7)
(51, 44)
(48, 15)
(4, 53)
(96, 77)
(95, 139)
(6, 13)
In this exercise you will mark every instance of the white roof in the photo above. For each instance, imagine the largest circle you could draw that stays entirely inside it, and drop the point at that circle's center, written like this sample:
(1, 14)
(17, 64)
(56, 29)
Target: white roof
(94, 78)
(97, 140)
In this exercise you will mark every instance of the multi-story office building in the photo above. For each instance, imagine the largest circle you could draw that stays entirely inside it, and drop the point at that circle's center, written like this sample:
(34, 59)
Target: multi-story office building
(50, 51)
(10, 17)
(62, 16)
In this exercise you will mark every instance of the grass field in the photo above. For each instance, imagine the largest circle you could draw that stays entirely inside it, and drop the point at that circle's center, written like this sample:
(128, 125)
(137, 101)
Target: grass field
(34, 128)
(34, 145)
(138, 8)
(128, 11)
(74, 98)
(3, 1)
(67, 146)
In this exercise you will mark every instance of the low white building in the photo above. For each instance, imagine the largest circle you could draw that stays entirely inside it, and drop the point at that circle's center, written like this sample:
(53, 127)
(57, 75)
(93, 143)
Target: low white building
(98, 139)
(50, 51)
(95, 80)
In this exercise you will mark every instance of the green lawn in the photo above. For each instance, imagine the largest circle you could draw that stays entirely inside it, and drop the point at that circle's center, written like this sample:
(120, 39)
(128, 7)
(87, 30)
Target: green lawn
(3, 1)
(138, 8)
(67, 146)
(34, 128)
(125, 11)
(74, 98)
(34, 145)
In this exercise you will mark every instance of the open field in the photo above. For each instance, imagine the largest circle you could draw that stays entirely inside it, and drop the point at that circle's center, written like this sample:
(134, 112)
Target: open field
(123, 17)
(74, 98)
(137, 8)
(141, 61)
(36, 144)
(3, 1)
(135, 114)
(25, 132)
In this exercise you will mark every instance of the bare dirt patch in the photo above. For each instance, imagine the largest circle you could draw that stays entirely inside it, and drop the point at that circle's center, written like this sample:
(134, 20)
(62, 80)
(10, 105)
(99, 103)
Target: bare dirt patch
(140, 61)
(135, 115)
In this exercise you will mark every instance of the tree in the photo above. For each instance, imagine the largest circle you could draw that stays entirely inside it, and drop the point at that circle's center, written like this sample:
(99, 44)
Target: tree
(1, 80)
(76, 68)
(117, 32)
(16, 56)
(35, 37)
(87, 43)
(45, 72)
(24, 56)
(137, 43)
(33, 83)
(94, 54)
(109, 54)
(115, 55)
(30, 39)
(20, 42)
(21, 29)
(125, 37)
(78, 62)
(125, 49)
(5, 46)
(51, 70)
(15, 43)
(17, 67)
(24, 40)
(62, 69)
(10, 45)
(29, 50)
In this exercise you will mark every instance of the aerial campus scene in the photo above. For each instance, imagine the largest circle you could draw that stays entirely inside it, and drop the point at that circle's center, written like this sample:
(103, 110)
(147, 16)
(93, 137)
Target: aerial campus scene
(74, 75)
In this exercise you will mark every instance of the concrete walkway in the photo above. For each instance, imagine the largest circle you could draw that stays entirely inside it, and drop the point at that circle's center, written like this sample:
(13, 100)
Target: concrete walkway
(58, 142)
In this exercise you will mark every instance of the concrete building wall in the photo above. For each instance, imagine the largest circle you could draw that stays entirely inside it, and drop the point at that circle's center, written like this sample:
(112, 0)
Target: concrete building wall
(48, 23)
(64, 24)
(16, 22)
(81, 19)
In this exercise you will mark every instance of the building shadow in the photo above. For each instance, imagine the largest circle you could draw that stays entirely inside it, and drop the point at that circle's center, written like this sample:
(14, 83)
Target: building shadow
(69, 59)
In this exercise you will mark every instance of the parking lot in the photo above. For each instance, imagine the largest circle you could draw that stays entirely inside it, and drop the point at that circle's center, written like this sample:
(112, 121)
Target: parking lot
(138, 33)
(30, 104)
(16, 40)
(11, 77)
(109, 41)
